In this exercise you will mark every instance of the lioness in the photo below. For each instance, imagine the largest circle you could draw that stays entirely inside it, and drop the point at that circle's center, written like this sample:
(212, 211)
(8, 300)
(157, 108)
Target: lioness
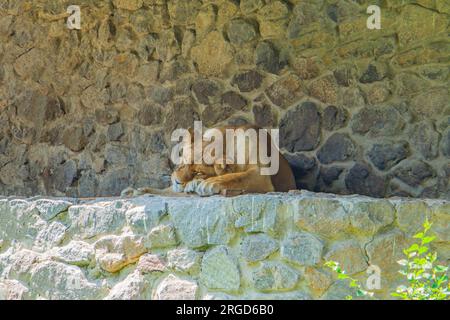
(220, 177)
(208, 179)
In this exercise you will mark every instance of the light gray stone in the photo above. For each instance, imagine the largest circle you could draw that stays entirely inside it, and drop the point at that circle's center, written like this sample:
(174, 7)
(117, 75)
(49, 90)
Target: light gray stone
(184, 260)
(133, 287)
(411, 215)
(302, 248)
(146, 215)
(78, 253)
(259, 213)
(441, 221)
(57, 281)
(220, 270)
(13, 290)
(201, 222)
(174, 288)
(324, 216)
(162, 236)
(258, 247)
(89, 221)
(49, 209)
(51, 236)
(368, 217)
(349, 255)
(275, 276)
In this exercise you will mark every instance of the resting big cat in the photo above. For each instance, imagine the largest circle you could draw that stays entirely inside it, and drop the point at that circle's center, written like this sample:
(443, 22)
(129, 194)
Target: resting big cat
(220, 177)
(227, 179)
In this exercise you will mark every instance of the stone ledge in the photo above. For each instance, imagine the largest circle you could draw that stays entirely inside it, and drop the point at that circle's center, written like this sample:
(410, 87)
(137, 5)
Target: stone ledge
(249, 247)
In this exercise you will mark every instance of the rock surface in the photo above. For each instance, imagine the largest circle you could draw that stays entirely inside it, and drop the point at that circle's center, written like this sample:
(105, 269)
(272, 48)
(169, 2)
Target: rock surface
(247, 247)
(90, 117)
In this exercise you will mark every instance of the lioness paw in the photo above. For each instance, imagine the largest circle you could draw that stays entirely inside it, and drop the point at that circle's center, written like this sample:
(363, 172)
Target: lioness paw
(208, 188)
(191, 186)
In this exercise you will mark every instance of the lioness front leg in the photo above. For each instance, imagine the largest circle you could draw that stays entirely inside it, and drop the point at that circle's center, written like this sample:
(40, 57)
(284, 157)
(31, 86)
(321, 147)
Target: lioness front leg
(249, 181)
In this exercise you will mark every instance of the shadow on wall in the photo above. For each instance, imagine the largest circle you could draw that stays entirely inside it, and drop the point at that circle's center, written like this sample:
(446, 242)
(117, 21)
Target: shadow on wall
(90, 112)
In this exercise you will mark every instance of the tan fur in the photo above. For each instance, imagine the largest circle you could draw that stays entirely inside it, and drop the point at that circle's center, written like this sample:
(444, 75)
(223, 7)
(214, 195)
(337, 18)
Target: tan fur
(245, 178)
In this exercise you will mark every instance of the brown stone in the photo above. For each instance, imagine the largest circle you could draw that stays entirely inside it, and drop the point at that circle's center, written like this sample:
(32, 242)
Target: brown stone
(286, 91)
(212, 55)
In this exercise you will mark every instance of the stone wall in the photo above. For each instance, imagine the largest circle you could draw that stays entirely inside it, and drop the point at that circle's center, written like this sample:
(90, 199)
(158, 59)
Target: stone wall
(248, 247)
(89, 112)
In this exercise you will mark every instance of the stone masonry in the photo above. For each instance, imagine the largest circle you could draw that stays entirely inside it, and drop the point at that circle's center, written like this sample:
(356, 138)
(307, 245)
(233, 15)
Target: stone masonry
(90, 112)
(248, 247)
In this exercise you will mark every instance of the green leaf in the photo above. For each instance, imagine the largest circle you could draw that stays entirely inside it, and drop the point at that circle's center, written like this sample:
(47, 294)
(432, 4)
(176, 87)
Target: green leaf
(342, 276)
(422, 250)
(419, 235)
(440, 268)
(427, 225)
(428, 239)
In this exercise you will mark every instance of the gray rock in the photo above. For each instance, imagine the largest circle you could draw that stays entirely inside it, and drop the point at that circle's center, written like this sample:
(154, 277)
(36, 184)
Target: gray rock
(256, 214)
(77, 253)
(106, 116)
(411, 215)
(57, 281)
(49, 209)
(174, 288)
(425, 139)
(387, 155)
(133, 287)
(338, 147)
(162, 236)
(334, 118)
(150, 263)
(89, 221)
(74, 138)
(329, 175)
(274, 276)
(324, 216)
(258, 247)
(377, 121)
(115, 131)
(300, 128)
(145, 216)
(249, 6)
(234, 100)
(441, 221)
(206, 91)
(201, 222)
(445, 143)
(50, 236)
(264, 115)
(349, 255)
(267, 58)
(150, 115)
(247, 81)
(220, 270)
(369, 217)
(13, 290)
(184, 260)
(240, 32)
(361, 180)
(302, 248)
(372, 74)
(414, 172)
